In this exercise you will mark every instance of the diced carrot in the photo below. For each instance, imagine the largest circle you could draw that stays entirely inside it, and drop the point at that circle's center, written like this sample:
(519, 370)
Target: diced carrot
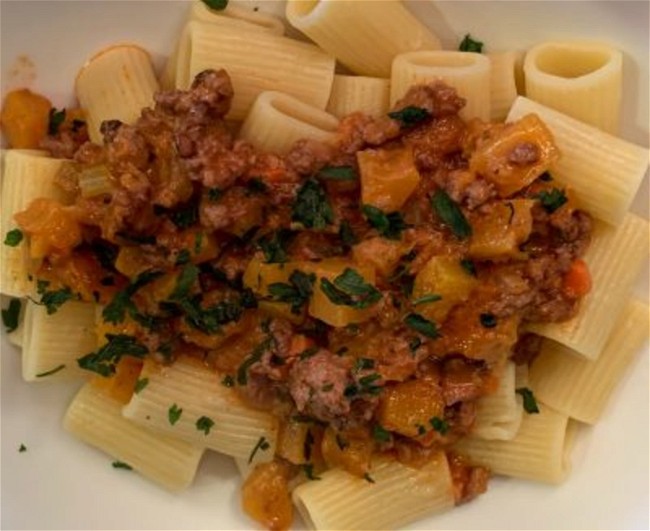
(25, 117)
(577, 281)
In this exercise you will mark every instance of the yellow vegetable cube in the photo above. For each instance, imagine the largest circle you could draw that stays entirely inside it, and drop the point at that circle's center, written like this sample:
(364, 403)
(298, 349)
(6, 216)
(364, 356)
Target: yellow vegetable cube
(259, 275)
(513, 156)
(446, 277)
(321, 307)
(388, 177)
(498, 233)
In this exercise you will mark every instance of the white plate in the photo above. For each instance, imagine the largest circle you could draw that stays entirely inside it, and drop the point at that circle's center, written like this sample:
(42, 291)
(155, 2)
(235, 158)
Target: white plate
(60, 483)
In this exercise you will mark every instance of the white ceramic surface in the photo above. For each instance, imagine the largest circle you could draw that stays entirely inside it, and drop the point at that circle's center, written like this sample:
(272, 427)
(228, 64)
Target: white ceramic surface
(60, 483)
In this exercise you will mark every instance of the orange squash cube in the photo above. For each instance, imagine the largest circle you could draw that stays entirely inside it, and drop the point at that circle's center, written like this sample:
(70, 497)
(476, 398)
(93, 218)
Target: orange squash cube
(25, 117)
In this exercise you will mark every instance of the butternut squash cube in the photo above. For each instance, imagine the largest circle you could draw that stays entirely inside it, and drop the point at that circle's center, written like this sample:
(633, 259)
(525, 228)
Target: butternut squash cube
(514, 156)
(388, 177)
(25, 117)
(408, 407)
(266, 497)
(259, 275)
(446, 277)
(349, 449)
(500, 232)
(321, 307)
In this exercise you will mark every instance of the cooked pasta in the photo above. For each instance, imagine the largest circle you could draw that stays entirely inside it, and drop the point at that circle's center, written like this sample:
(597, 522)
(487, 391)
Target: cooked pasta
(95, 418)
(369, 95)
(366, 49)
(580, 79)
(277, 120)
(256, 61)
(503, 83)
(468, 73)
(579, 387)
(604, 171)
(115, 84)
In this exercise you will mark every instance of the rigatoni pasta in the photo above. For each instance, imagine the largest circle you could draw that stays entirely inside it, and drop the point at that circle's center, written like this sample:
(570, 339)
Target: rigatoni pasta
(276, 121)
(503, 84)
(581, 79)
(95, 418)
(604, 171)
(580, 387)
(369, 95)
(228, 425)
(116, 84)
(365, 49)
(256, 61)
(395, 496)
(468, 73)
(613, 278)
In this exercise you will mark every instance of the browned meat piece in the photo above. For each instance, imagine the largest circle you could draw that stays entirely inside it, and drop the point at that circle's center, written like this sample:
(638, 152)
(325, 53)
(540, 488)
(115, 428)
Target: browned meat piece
(526, 349)
(469, 481)
(308, 156)
(524, 153)
(317, 384)
(209, 97)
(235, 212)
(433, 143)
(89, 154)
(439, 99)
(461, 381)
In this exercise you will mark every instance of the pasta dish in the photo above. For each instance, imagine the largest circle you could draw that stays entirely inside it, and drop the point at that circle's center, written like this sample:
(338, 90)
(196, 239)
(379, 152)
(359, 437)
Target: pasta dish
(373, 290)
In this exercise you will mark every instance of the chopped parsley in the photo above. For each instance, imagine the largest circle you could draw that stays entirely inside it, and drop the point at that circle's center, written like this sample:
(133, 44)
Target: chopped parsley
(488, 320)
(174, 414)
(297, 292)
(22, 448)
(308, 444)
(274, 246)
(122, 465)
(451, 214)
(530, 404)
(115, 311)
(308, 469)
(350, 289)
(414, 344)
(217, 5)
(388, 225)
(262, 444)
(214, 194)
(422, 325)
(11, 315)
(140, 384)
(51, 372)
(364, 363)
(368, 478)
(209, 320)
(204, 424)
(366, 385)
(546, 177)
(434, 297)
(439, 425)
(53, 300)
(104, 360)
(228, 381)
(312, 207)
(469, 266)
(410, 116)
(185, 216)
(182, 258)
(470, 45)
(256, 355)
(380, 434)
(347, 235)
(56, 119)
(14, 237)
(341, 442)
(338, 173)
(552, 200)
(184, 283)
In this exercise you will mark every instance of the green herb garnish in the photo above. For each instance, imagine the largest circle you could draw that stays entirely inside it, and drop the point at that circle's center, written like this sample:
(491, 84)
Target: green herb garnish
(262, 444)
(104, 360)
(115, 311)
(22, 448)
(468, 266)
(488, 320)
(470, 45)
(421, 324)
(308, 469)
(140, 384)
(439, 425)
(410, 116)
(174, 414)
(14, 237)
(274, 246)
(451, 214)
(350, 289)
(338, 173)
(380, 434)
(51, 372)
(122, 465)
(388, 225)
(530, 404)
(296, 293)
(11, 314)
(434, 297)
(56, 119)
(552, 200)
(217, 5)
(204, 424)
(312, 207)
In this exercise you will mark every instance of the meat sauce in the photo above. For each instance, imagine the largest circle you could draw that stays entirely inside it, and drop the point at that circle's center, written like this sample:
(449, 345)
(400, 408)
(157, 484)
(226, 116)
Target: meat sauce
(379, 327)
